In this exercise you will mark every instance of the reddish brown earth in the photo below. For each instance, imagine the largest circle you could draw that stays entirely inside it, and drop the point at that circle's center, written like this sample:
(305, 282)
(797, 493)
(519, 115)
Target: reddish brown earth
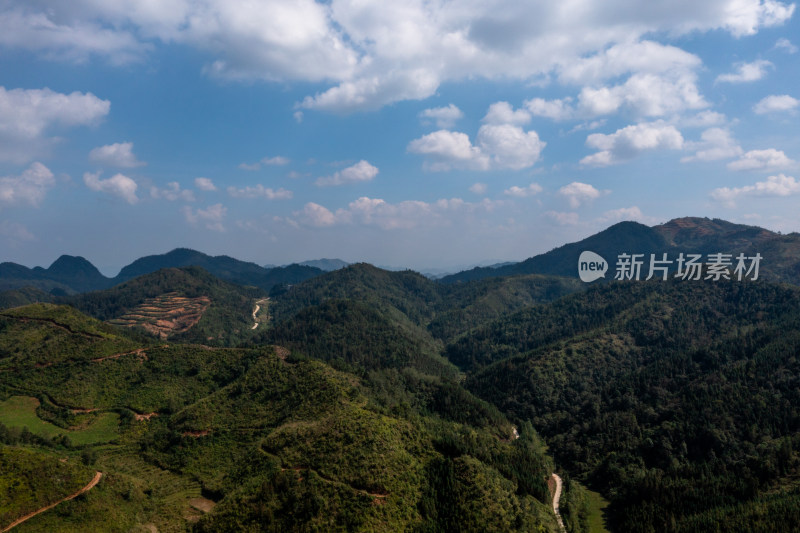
(165, 315)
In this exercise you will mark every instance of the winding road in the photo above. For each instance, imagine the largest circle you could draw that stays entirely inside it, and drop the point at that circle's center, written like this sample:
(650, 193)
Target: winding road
(28, 516)
(556, 498)
(256, 310)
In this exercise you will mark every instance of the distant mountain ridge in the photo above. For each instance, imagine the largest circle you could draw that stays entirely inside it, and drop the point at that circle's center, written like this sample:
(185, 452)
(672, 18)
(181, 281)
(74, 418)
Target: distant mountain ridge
(781, 253)
(71, 274)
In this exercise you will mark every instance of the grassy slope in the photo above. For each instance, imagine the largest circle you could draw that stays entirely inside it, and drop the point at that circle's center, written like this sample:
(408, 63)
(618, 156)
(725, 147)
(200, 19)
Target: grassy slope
(30, 480)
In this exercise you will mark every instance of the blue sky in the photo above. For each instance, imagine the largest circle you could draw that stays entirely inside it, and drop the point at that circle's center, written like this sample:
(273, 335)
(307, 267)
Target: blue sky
(415, 134)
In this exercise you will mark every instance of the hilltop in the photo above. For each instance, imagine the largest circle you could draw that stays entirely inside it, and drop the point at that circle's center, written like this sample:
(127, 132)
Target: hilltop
(688, 235)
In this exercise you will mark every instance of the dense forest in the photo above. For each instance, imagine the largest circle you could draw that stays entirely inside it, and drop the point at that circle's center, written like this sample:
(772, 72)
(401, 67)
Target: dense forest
(368, 400)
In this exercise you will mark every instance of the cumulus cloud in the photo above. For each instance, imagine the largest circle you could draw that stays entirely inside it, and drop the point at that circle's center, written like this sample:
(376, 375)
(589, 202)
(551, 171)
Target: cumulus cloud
(29, 188)
(628, 142)
(578, 193)
(746, 72)
(779, 185)
(647, 95)
(115, 155)
(172, 193)
(368, 54)
(625, 58)
(205, 184)
(259, 191)
(360, 172)
(118, 185)
(769, 159)
(776, 104)
(211, 217)
(504, 113)
(499, 146)
(559, 109)
(26, 115)
(715, 144)
(443, 117)
(522, 192)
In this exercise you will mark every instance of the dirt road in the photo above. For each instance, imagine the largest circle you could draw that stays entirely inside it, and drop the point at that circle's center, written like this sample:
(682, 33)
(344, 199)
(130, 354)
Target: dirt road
(28, 516)
(556, 499)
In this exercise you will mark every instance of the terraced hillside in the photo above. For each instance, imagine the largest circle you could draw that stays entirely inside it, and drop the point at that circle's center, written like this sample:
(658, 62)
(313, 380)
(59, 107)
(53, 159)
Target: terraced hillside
(165, 315)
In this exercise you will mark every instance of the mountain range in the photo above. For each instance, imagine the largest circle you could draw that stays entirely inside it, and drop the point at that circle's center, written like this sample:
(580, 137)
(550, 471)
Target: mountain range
(781, 258)
(70, 274)
(781, 253)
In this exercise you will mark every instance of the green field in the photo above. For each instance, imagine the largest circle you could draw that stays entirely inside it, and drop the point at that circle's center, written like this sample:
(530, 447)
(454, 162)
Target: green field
(20, 411)
(597, 505)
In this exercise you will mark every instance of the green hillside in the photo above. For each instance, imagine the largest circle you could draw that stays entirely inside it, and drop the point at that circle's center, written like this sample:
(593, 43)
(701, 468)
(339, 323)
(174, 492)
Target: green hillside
(236, 439)
(186, 304)
(678, 401)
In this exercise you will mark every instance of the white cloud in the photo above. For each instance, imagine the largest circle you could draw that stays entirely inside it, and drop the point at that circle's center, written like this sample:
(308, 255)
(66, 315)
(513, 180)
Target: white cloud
(786, 45)
(578, 193)
(205, 184)
(277, 160)
(376, 212)
(628, 142)
(769, 159)
(626, 213)
(779, 185)
(27, 114)
(117, 185)
(443, 117)
(449, 149)
(360, 172)
(563, 218)
(478, 188)
(212, 217)
(371, 53)
(715, 144)
(776, 104)
(553, 109)
(522, 192)
(625, 58)
(64, 39)
(172, 193)
(499, 146)
(746, 72)
(115, 155)
(704, 119)
(259, 191)
(317, 215)
(29, 188)
(646, 94)
(503, 113)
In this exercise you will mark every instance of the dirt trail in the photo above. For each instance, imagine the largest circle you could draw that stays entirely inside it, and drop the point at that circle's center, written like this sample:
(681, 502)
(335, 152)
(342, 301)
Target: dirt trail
(28, 516)
(556, 498)
(256, 310)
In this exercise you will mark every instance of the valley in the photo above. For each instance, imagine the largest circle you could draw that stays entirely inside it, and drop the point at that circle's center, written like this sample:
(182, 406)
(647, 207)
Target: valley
(367, 400)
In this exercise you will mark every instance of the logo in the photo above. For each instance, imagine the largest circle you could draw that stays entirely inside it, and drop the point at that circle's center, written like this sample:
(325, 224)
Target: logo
(591, 267)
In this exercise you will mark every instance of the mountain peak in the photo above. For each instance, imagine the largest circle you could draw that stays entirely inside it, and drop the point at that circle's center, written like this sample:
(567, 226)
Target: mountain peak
(71, 265)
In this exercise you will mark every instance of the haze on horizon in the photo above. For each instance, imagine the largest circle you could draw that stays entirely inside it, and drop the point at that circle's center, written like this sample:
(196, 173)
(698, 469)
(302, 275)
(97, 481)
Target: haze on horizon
(421, 135)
